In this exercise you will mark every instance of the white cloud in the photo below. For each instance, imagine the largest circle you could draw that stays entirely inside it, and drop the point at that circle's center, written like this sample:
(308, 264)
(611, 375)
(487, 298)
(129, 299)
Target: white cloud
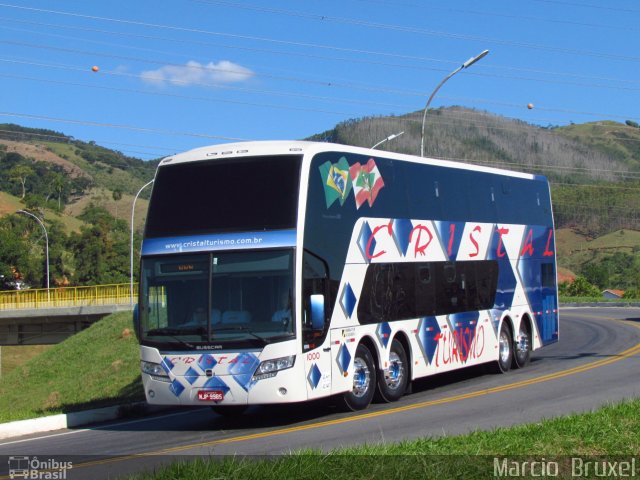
(195, 73)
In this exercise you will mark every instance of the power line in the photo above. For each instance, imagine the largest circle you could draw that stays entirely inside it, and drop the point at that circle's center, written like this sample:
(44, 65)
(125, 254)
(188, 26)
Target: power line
(69, 139)
(554, 168)
(420, 31)
(340, 84)
(453, 117)
(119, 126)
(584, 5)
(356, 59)
(364, 87)
(501, 15)
(326, 18)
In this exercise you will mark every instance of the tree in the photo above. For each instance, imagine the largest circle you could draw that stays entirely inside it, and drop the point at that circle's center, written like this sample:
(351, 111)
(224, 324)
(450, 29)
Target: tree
(58, 184)
(101, 249)
(21, 173)
(15, 252)
(117, 196)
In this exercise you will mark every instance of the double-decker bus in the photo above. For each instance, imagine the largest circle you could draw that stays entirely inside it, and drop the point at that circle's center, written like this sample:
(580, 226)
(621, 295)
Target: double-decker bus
(276, 272)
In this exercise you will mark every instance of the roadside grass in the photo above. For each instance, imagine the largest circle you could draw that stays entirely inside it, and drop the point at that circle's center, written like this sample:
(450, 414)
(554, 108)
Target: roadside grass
(615, 302)
(612, 432)
(12, 356)
(97, 367)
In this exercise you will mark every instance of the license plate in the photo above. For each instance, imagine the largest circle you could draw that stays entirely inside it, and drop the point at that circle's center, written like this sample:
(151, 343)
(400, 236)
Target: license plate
(211, 395)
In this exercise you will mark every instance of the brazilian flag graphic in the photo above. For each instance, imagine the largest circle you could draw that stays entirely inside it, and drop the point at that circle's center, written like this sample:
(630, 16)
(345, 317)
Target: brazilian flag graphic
(336, 181)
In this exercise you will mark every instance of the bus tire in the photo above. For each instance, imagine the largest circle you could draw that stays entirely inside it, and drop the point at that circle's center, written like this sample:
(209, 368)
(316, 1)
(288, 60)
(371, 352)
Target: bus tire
(364, 381)
(522, 350)
(229, 410)
(505, 349)
(392, 381)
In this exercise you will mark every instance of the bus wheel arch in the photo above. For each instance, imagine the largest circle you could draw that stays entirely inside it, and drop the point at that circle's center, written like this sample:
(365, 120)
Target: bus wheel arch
(523, 343)
(364, 377)
(393, 379)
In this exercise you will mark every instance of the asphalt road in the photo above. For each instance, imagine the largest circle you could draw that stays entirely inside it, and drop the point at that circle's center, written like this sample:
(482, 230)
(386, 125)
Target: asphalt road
(597, 361)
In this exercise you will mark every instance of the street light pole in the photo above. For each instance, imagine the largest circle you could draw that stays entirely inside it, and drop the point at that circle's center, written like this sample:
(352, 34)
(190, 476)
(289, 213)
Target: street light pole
(46, 237)
(390, 137)
(133, 209)
(466, 64)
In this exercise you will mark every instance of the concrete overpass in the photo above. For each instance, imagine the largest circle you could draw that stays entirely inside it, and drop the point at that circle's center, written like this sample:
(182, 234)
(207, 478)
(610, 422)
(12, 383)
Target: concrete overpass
(48, 316)
(43, 326)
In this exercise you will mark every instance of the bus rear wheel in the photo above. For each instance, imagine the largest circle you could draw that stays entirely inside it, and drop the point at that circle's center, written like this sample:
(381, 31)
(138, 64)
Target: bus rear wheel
(522, 353)
(392, 381)
(364, 381)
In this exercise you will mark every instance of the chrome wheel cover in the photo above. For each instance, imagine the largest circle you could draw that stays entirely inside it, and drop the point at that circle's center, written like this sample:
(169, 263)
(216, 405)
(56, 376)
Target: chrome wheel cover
(394, 375)
(361, 378)
(505, 347)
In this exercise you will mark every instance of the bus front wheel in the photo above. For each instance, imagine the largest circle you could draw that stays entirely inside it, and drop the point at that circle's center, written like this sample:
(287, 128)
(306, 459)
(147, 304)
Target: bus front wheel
(392, 381)
(505, 349)
(364, 381)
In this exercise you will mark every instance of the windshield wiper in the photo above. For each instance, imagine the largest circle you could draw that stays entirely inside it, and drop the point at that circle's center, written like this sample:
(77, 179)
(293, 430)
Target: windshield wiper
(240, 328)
(173, 332)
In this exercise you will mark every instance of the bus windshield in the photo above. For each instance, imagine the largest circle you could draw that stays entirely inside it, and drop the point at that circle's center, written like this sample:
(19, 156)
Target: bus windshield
(234, 195)
(217, 300)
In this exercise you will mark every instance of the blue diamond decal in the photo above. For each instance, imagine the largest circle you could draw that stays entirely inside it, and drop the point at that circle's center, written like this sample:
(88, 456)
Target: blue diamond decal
(167, 365)
(428, 335)
(363, 241)
(206, 362)
(215, 383)
(314, 376)
(176, 388)
(245, 363)
(348, 300)
(191, 375)
(402, 234)
(243, 368)
(344, 358)
(384, 333)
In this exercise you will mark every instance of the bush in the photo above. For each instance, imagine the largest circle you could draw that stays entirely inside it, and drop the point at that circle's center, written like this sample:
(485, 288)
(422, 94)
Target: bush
(580, 288)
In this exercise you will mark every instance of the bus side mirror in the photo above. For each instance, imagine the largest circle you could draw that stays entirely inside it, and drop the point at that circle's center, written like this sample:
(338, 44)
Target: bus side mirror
(317, 312)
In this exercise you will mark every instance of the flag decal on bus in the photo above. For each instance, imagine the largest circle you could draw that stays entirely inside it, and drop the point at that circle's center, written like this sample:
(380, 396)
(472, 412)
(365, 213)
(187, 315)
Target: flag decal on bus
(367, 182)
(337, 182)
(338, 179)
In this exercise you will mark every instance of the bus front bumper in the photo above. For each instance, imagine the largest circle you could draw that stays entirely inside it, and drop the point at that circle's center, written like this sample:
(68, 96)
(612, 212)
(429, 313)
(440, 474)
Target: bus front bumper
(218, 379)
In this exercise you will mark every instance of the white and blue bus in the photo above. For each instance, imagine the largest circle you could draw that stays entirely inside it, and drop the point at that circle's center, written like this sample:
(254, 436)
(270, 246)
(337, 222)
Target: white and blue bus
(276, 272)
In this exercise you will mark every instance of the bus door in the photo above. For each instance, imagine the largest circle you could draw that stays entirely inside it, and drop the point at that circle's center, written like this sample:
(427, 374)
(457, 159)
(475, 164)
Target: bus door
(316, 346)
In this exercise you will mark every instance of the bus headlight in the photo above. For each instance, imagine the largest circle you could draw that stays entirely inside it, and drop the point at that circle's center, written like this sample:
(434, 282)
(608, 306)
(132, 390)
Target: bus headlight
(269, 368)
(155, 371)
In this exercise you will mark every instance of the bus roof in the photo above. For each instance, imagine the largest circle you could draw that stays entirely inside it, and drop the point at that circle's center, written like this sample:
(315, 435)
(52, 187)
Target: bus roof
(297, 147)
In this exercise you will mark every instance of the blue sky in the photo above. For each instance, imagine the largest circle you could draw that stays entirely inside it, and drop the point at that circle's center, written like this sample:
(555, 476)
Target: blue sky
(175, 75)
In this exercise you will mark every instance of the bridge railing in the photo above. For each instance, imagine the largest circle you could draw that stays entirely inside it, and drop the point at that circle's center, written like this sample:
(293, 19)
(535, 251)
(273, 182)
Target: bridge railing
(116, 294)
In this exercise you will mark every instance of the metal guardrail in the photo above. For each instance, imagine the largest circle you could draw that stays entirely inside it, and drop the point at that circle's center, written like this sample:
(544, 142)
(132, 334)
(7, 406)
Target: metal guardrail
(117, 294)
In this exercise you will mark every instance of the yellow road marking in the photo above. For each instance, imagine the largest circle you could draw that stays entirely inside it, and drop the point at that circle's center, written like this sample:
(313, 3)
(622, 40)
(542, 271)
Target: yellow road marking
(365, 416)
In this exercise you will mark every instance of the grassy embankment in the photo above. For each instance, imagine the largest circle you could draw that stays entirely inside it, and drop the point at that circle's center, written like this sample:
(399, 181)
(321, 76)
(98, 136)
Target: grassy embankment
(99, 366)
